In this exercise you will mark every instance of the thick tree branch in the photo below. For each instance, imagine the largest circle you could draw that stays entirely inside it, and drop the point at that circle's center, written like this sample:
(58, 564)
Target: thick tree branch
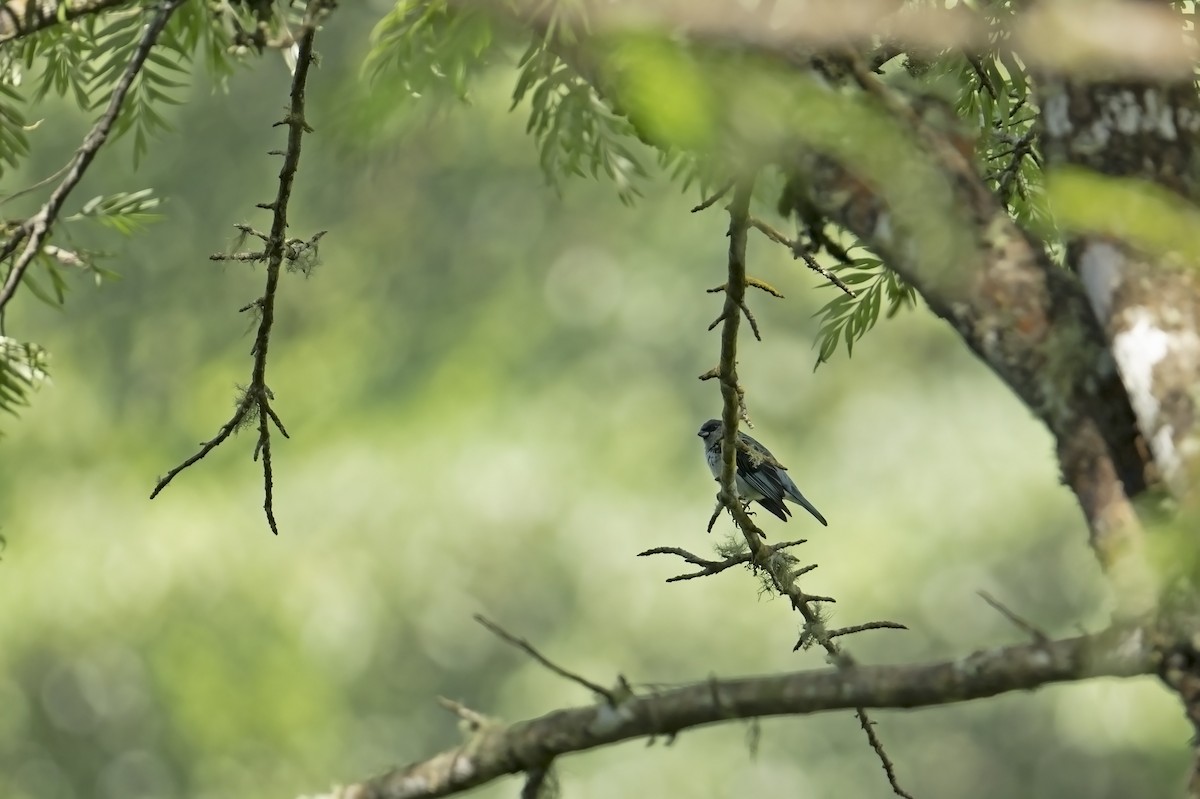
(1129, 38)
(1144, 130)
(498, 749)
(35, 231)
(1024, 317)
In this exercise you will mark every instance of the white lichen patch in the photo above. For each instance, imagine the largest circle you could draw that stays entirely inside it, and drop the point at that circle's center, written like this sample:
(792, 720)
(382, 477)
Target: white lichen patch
(1056, 114)
(883, 229)
(1160, 115)
(1140, 350)
(1165, 455)
(1040, 659)
(1100, 267)
(464, 768)
(609, 718)
(1187, 120)
(1125, 113)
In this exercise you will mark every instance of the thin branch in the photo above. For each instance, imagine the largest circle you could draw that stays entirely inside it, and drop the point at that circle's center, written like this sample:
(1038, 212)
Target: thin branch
(1011, 172)
(39, 15)
(235, 421)
(256, 403)
(36, 230)
(798, 251)
(740, 222)
(1036, 634)
(871, 625)
(501, 749)
(253, 257)
(984, 80)
(889, 768)
(474, 719)
(711, 567)
(527, 648)
(708, 202)
(762, 285)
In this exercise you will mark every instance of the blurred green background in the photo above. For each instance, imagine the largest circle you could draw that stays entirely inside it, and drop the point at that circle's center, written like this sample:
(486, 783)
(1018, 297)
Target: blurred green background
(493, 401)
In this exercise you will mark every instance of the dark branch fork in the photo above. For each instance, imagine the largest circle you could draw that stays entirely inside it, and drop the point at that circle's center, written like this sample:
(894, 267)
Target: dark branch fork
(255, 402)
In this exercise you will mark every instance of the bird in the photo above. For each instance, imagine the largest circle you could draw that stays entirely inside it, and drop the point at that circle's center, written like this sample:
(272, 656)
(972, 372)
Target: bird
(760, 478)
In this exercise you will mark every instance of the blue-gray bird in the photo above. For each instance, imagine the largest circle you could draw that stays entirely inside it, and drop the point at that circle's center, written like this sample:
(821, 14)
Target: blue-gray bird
(760, 478)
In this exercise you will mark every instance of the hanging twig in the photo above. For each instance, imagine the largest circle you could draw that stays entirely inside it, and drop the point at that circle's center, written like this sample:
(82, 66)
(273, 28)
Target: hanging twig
(733, 409)
(255, 402)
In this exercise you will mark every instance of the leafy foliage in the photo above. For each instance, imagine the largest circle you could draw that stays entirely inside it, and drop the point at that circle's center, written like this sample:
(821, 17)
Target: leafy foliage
(577, 134)
(991, 101)
(83, 61)
(22, 369)
(847, 318)
(124, 212)
(438, 48)
(152, 87)
(429, 45)
(14, 145)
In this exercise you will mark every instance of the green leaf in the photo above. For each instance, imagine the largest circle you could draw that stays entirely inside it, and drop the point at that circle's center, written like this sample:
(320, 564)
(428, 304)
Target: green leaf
(124, 212)
(847, 318)
(23, 369)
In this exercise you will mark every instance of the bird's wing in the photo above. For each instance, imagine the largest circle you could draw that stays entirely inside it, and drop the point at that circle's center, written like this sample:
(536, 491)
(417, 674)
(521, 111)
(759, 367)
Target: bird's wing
(769, 477)
(760, 474)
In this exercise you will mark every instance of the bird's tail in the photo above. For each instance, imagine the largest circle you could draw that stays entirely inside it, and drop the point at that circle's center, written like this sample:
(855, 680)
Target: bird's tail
(795, 496)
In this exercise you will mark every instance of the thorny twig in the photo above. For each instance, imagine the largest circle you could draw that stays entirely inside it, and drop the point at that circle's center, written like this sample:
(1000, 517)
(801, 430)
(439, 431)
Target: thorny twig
(527, 648)
(255, 402)
(871, 625)
(745, 309)
(36, 229)
(733, 409)
(798, 251)
(710, 567)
